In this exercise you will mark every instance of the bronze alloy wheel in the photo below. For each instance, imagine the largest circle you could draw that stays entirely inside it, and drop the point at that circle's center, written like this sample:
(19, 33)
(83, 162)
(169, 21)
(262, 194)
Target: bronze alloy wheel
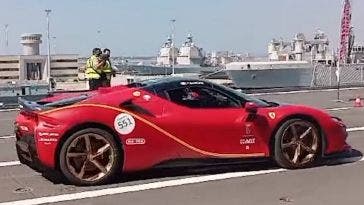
(89, 157)
(300, 143)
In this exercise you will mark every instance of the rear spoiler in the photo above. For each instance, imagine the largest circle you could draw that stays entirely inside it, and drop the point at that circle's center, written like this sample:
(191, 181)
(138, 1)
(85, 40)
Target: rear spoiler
(35, 106)
(29, 106)
(67, 101)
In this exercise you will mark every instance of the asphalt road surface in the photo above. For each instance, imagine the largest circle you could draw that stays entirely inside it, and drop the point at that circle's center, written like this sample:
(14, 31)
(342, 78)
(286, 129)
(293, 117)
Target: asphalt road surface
(335, 182)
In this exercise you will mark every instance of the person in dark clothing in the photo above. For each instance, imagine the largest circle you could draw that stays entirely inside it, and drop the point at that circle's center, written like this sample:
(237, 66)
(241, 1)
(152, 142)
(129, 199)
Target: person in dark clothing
(108, 73)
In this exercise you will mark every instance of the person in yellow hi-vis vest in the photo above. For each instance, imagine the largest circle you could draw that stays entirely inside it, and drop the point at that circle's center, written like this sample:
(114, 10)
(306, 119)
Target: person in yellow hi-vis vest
(94, 69)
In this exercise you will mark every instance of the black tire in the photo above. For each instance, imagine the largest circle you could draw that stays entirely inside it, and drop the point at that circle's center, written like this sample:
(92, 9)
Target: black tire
(115, 155)
(283, 149)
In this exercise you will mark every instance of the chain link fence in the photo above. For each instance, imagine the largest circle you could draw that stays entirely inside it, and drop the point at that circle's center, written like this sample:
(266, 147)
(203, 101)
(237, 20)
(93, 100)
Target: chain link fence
(350, 75)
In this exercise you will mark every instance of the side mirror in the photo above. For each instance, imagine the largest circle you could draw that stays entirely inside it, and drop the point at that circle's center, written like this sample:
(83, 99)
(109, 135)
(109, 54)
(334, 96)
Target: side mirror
(251, 107)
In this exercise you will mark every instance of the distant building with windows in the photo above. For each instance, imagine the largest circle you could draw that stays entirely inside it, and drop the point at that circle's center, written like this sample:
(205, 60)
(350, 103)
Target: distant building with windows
(30, 66)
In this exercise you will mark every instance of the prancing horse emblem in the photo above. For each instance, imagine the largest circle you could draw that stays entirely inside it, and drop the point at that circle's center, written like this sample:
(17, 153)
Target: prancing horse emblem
(272, 115)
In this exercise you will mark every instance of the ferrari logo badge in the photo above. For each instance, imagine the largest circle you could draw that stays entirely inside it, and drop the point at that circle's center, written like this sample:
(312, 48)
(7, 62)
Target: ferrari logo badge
(272, 115)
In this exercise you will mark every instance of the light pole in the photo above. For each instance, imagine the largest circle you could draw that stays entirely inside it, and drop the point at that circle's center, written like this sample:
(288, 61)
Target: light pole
(172, 35)
(54, 44)
(48, 72)
(98, 38)
(338, 75)
(6, 37)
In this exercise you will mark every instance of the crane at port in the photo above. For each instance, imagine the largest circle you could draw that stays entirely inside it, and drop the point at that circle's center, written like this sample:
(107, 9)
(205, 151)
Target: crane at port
(346, 35)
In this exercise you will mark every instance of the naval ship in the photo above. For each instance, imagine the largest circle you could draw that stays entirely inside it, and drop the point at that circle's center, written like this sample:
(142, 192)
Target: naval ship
(305, 63)
(298, 63)
(187, 59)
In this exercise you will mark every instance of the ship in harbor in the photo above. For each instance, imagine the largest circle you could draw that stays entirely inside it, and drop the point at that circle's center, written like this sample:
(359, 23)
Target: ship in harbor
(189, 58)
(305, 63)
(289, 64)
(299, 63)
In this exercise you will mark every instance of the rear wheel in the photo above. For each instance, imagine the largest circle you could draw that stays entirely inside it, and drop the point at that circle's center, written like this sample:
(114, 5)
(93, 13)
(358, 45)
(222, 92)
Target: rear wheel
(90, 157)
(297, 144)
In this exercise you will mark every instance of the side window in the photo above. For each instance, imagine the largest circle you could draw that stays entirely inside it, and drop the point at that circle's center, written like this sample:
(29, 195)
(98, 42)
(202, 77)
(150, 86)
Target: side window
(201, 97)
(177, 96)
(163, 94)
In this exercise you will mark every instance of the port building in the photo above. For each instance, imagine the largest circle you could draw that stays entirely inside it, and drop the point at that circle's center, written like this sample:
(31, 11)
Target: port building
(31, 66)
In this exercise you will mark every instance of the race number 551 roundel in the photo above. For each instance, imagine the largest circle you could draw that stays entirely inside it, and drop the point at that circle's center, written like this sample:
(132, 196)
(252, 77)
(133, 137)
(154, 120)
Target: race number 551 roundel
(124, 123)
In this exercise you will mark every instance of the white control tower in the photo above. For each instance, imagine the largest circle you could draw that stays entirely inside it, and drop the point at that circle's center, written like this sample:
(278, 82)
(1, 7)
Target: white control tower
(30, 42)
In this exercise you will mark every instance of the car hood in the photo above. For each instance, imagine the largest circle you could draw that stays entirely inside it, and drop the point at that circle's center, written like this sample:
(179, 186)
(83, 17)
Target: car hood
(282, 110)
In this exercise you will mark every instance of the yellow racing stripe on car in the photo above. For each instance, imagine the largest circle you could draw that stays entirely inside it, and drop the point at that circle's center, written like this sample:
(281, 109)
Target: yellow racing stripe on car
(158, 129)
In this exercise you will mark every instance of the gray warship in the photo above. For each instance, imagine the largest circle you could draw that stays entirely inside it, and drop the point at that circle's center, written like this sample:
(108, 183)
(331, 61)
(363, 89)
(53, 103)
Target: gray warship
(299, 63)
(189, 58)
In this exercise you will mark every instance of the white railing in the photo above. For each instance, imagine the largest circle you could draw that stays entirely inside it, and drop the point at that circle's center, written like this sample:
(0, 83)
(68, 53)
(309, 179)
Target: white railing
(324, 76)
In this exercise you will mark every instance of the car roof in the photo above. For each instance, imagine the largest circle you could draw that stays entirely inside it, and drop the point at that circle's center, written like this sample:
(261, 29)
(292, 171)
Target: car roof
(169, 83)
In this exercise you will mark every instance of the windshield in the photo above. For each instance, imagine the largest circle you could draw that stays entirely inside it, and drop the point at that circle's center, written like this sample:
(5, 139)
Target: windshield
(248, 98)
(144, 83)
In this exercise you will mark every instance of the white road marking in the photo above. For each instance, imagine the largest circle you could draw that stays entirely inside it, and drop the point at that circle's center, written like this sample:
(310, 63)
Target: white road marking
(10, 110)
(355, 129)
(339, 108)
(140, 187)
(302, 91)
(7, 137)
(10, 163)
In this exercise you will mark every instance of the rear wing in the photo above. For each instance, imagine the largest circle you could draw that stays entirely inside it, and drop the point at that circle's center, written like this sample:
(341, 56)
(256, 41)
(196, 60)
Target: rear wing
(29, 106)
(35, 106)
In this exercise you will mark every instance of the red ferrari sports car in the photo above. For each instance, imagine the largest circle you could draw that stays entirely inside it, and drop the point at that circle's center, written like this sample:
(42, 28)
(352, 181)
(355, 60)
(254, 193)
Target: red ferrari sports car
(90, 137)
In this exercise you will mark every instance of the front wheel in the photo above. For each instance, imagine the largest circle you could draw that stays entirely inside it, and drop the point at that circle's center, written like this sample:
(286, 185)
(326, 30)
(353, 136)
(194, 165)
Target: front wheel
(90, 157)
(297, 144)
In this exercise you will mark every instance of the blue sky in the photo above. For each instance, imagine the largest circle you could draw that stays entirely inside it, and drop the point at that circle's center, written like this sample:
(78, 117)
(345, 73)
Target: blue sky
(139, 27)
